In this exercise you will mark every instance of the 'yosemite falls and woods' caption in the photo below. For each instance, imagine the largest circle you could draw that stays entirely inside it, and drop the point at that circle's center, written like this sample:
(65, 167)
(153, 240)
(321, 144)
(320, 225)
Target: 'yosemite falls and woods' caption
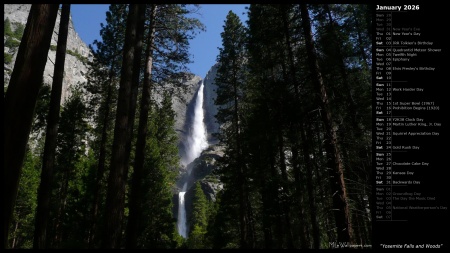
(271, 149)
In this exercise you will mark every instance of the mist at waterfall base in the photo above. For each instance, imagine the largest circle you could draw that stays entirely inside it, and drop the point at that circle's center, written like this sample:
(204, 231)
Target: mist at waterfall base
(195, 143)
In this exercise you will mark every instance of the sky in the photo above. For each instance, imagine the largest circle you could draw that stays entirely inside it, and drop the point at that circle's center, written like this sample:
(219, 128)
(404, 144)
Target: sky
(203, 49)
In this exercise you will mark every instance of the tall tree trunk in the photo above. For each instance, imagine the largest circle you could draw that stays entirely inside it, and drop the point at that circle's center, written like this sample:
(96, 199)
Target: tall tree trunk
(266, 220)
(250, 223)
(20, 100)
(48, 161)
(135, 83)
(299, 191)
(285, 195)
(365, 221)
(273, 187)
(339, 191)
(284, 177)
(265, 193)
(136, 187)
(115, 199)
(320, 180)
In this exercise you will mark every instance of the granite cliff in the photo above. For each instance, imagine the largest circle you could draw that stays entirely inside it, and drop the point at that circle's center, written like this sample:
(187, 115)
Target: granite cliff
(78, 53)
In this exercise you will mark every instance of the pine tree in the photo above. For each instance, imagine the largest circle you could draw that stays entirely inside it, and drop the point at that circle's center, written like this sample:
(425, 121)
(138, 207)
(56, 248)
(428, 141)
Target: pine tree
(175, 25)
(103, 76)
(157, 226)
(198, 219)
(230, 80)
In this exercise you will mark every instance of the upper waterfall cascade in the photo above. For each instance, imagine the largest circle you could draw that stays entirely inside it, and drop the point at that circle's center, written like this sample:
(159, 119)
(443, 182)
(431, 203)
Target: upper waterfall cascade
(196, 141)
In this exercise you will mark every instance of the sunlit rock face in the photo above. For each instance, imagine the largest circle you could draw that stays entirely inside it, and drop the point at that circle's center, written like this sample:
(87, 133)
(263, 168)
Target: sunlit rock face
(210, 108)
(75, 67)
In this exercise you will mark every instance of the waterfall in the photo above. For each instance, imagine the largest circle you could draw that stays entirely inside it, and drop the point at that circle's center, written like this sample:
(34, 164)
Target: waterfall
(196, 142)
(182, 213)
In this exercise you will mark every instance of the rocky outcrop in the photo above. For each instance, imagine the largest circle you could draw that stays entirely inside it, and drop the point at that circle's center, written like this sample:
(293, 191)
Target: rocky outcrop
(78, 53)
(202, 170)
(211, 188)
(181, 104)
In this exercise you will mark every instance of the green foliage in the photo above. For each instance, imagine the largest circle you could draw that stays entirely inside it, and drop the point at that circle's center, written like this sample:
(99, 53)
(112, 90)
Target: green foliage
(18, 33)
(175, 25)
(70, 52)
(196, 238)
(160, 165)
(230, 76)
(41, 109)
(108, 52)
(7, 28)
(7, 58)
(223, 224)
(77, 197)
(78, 56)
(72, 129)
(198, 219)
(72, 169)
(199, 207)
(12, 42)
(178, 242)
(22, 226)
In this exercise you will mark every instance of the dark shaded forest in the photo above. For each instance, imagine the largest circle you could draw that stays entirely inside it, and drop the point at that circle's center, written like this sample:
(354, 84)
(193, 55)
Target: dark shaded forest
(99, 171)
